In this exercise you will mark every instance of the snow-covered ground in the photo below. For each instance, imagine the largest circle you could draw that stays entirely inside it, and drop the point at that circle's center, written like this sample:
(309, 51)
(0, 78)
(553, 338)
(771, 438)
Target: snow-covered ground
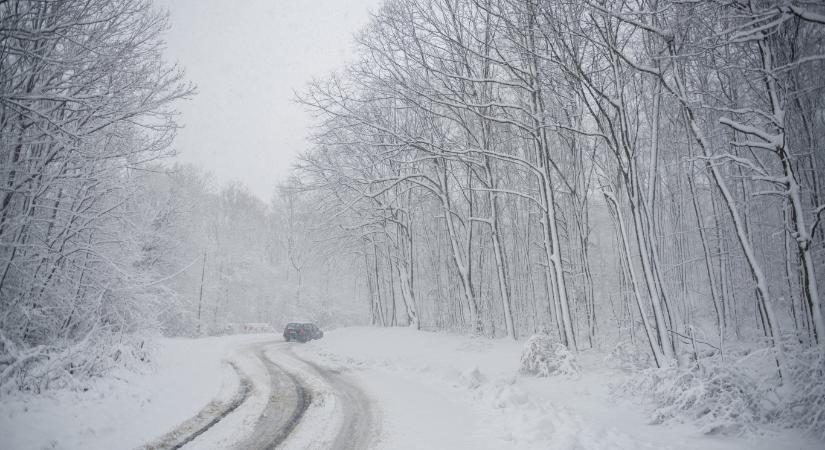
(128, 409)
(437, 390)
(428, 391)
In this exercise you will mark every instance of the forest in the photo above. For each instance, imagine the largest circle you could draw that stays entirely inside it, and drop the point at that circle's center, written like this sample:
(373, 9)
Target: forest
(642, 177)
(512, 167)
(647, 173)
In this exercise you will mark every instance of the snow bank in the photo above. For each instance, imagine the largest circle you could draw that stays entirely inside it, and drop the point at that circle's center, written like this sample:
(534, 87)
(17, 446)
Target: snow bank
(127, 409)
(439, 390)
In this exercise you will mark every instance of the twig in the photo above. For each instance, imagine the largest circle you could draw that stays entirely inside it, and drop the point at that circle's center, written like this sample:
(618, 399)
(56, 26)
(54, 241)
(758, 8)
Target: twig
(697, 340)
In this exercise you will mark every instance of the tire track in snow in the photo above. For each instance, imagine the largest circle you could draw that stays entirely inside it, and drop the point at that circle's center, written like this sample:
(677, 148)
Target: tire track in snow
(288, 401)
(207, 417)
(359, 425)
(340, 417)
(308, 406)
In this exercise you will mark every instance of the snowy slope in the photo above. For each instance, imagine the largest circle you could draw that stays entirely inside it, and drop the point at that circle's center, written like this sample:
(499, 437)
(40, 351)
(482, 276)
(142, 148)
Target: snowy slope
(444, 391)
(128, 409)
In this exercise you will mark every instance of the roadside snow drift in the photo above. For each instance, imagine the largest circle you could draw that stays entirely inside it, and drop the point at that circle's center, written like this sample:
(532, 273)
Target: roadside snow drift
(437, 390)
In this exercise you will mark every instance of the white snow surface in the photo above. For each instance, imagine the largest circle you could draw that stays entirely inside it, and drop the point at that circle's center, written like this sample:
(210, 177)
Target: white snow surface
(430, 391)
(127, 409)
(437, 390)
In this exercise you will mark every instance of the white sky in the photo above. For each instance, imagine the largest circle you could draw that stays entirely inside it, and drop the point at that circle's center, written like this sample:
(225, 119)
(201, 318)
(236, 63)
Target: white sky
(247, 58)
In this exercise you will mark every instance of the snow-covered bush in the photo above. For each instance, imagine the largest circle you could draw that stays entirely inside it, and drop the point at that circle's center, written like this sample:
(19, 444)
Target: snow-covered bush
(718, 399)
(564, 362)
(740, 392)
(543, 356)
(721, 396)
(536, 355)
(72, 365)
(805, 392)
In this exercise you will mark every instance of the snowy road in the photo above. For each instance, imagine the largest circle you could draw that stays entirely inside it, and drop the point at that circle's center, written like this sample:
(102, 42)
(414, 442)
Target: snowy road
(292, 404)
(340, 410)
(288, 400)
(368, 388)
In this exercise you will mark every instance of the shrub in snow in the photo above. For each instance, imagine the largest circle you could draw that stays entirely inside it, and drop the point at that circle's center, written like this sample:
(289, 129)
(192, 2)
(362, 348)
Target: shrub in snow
(718, 399)
(719, 396)
(543, 356)
(736, 394)
(72, 365)
(805, 387)
(536, 355)
(565, 362)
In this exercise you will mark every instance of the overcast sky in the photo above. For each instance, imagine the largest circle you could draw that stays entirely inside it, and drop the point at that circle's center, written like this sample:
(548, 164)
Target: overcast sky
(247, 58)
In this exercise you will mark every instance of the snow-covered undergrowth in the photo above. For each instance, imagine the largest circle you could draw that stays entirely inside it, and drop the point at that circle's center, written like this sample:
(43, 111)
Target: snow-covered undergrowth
(717, 398)
(740, 393)
(503, 408)
(544, 356)
(804, 406)
(69, 364)
(127, 408)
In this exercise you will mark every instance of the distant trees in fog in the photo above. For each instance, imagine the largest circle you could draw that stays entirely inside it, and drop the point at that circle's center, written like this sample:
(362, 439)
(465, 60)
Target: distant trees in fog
(224, 257)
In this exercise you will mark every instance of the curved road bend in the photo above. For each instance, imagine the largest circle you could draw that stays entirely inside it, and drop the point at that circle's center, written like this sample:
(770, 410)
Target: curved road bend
(290, 397)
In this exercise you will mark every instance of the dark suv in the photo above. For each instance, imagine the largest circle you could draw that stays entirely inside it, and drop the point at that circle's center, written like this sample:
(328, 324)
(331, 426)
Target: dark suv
(302, 332)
